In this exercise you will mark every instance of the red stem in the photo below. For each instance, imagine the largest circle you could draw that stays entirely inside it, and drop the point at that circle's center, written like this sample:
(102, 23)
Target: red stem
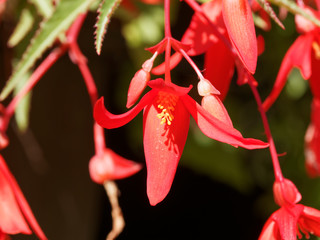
(167, 28)
(274, 156)
(167, 73)
(81, 61)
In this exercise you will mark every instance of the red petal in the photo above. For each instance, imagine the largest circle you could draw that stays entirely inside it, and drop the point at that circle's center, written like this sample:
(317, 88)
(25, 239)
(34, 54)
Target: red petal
(238, 20)
(298, 55)
(311, 220)
(219, 67)
(163, 146)
(220, 131)
(24, 206)
(270, 231)
(109, 120)
(111, 166)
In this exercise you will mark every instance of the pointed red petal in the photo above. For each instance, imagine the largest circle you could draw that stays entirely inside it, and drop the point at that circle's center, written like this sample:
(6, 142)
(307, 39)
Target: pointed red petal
(163, 146)
(24, 206)
(108, 120)
(111, 166)
(220, 131)
(270, 231)
(219, 67)
(298, 55)
(238, 20)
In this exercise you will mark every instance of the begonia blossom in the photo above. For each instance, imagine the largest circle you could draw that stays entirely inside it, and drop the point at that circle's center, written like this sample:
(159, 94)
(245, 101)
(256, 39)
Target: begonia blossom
(111, 166)
(167, 108)
(291, 219)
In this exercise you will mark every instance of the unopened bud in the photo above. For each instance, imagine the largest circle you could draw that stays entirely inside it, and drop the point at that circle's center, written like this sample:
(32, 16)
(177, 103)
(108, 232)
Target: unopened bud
(205, 88)
(111, 166)
(215, 107)
(137, 85)
(285, 192)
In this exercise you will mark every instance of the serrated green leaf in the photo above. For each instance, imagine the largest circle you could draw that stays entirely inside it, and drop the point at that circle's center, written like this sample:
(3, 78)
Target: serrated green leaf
(23, 109)
(44, 7)
(65, 13)
(23, 27)
(106, 9)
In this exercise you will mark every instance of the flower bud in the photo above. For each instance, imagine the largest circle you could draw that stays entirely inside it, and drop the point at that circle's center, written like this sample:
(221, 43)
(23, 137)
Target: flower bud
(111, 166)
(205, 88)
(285, 192)
(215, 107)
(137, 85)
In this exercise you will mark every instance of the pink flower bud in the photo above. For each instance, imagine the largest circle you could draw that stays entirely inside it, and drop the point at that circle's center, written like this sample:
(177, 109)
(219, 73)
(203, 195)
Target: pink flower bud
(205, 88)
(285, 192)
(137, 85)
(111, 166)
(215, 107)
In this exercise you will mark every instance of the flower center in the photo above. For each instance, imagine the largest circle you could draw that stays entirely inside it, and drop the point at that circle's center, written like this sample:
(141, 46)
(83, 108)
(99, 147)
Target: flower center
(166, 103)
(316, 49)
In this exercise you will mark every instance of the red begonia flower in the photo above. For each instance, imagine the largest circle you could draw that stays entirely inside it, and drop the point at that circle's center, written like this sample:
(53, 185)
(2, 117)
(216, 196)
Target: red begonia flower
(304, 54)
(292, 218)
(111, 166)
(287, 222)
(167, 108)
(15, 213)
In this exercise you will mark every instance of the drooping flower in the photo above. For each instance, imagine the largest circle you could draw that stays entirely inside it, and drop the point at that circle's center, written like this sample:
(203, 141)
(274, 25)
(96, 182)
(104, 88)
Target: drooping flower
(304, 54)
(291, 219)
(111, 166)
(15, 213)
(167, 108)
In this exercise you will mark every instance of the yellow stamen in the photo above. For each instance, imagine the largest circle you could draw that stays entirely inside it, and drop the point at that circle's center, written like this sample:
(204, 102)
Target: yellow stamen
(316, 49)
(166, 102)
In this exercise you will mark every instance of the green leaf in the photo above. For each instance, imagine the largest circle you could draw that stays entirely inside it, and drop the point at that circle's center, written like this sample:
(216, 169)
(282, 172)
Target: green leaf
(44, 7)
(65, 13)
(23, 109)
(23, 27)
(105, 10)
